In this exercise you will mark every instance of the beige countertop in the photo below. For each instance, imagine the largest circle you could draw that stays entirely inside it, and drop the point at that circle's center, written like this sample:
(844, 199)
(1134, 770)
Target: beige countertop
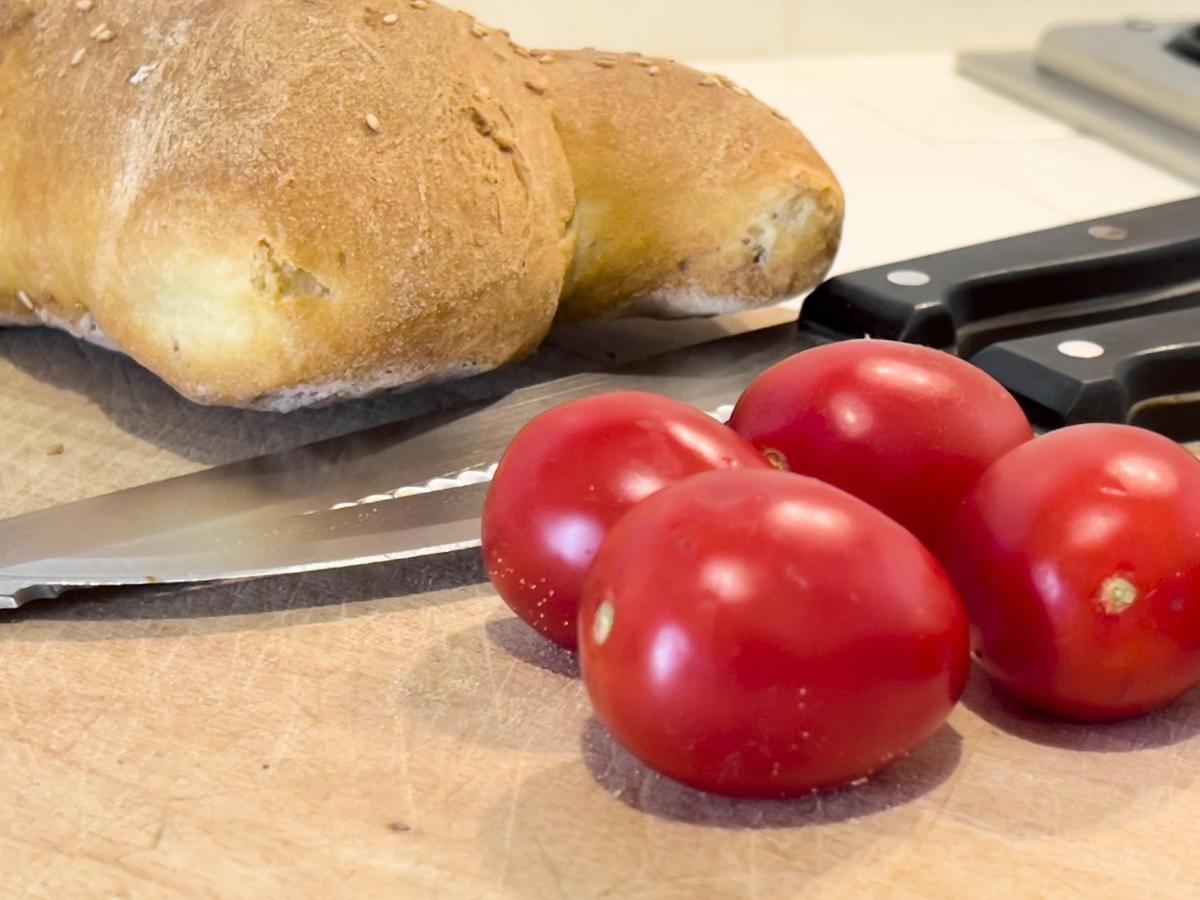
(393, 731)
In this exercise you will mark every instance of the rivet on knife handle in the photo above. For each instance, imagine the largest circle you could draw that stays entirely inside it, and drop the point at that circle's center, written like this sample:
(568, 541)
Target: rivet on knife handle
(1143, 371)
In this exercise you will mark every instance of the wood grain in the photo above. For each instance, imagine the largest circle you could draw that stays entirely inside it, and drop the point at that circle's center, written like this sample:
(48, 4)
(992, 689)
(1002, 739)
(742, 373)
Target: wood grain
(393, 731)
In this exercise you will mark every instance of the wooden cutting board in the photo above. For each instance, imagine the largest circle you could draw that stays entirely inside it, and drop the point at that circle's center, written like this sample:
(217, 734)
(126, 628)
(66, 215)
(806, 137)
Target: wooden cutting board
(393, 731)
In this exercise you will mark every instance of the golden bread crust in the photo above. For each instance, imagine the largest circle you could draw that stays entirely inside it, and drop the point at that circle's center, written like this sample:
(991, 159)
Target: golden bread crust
(693, 196)
(268, 202)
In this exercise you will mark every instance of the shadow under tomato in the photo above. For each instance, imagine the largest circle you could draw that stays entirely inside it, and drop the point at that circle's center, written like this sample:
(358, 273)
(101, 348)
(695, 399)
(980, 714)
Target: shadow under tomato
(519, 640)
(1173, 724)
(557, 832)
(466, 687)
(637, 786)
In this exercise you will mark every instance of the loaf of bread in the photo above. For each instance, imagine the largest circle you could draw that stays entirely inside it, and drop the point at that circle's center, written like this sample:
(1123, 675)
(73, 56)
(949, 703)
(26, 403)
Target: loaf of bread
(273, 203)
(692, 198)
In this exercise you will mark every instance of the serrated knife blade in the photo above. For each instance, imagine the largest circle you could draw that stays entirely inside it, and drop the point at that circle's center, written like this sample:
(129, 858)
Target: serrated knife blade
(250, 547)
(320, 507)
(381, 461)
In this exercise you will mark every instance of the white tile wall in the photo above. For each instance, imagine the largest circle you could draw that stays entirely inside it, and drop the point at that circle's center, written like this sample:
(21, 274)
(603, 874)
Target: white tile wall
(694, 29)
(1077, 177)
(890, 26)
(930, 160)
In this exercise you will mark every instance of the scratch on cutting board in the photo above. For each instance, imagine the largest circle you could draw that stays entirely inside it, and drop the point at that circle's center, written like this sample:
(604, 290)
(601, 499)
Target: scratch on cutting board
(489, 663)
(752, 875)
(400, 760)
(257, 660)
(287, 736)
(291, 729)
(169, 656)
(96, 828)
(52, 861)
(156, 838)
(80, 733)
(511, 667)
(551, 866)
(47, 637)
(11, 696)
(511, 820)
(949, 790)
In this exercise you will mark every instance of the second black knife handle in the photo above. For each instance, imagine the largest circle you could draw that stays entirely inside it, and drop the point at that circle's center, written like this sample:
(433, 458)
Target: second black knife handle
(1145, 371)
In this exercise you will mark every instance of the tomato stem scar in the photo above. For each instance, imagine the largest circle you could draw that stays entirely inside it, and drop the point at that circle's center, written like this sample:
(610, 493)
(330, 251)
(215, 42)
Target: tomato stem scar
(776, 459)
(1117, 595)
(603, 624)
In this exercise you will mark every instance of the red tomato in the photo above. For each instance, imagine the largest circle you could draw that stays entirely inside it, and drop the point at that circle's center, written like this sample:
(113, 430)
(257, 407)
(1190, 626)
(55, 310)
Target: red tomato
(570, 474)
(764, 634)
(1078, 556)
(906, 428)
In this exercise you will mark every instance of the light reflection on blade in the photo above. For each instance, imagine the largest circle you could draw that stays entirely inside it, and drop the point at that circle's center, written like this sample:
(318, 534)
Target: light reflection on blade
(424, 525)
(180, 530)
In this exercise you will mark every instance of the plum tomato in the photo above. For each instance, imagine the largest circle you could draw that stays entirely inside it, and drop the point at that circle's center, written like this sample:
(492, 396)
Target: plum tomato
(1078, 557)
(905, 428)
(758, 633)
(570, 474)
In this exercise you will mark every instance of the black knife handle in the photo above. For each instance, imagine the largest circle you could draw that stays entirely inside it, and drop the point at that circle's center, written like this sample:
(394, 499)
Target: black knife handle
(962, 300)
(1143, 371)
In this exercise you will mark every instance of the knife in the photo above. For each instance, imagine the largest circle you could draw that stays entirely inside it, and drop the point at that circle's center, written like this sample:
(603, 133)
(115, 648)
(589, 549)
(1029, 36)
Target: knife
(299, 510)
(415, 489)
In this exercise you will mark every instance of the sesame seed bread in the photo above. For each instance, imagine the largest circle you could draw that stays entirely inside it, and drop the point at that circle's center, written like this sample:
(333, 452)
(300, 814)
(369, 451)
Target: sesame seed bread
(270, 203)
(273, 204)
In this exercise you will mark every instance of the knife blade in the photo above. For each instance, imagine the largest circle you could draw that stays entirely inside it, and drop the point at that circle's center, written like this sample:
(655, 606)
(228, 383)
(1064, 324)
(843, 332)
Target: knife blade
(313, 491)
(423, 525)
(345, 501)
(377, 463)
